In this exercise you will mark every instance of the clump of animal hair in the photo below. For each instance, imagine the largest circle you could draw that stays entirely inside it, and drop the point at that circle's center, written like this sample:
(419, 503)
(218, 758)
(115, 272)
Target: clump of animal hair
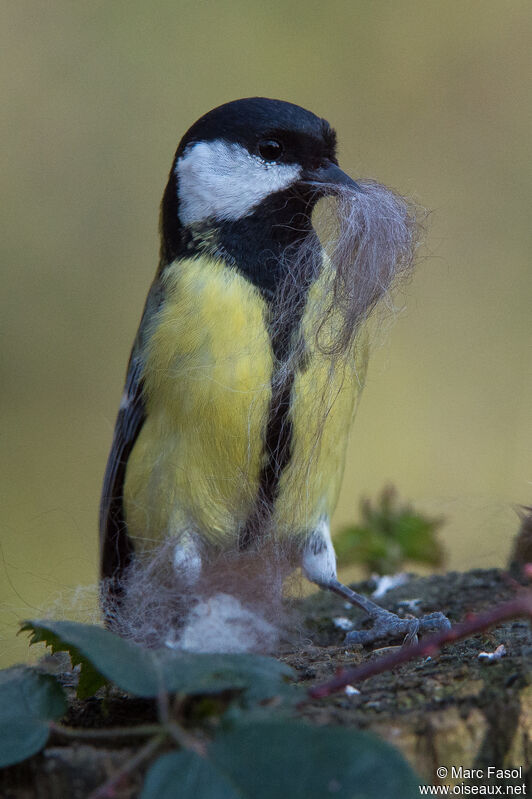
(357, 248)
(235, 605)
(370, 239)
(378, 234)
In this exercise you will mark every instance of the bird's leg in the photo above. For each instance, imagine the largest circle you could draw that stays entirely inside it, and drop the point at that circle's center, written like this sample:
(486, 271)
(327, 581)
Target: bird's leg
(319, 566)
(187, 559)
(187, 564)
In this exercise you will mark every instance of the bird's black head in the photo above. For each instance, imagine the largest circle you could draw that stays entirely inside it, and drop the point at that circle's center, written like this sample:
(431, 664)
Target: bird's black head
(271, 130)
(250, 170)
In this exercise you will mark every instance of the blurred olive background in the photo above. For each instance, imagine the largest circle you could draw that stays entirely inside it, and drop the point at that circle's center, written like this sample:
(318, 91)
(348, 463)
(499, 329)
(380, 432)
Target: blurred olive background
(431, 98)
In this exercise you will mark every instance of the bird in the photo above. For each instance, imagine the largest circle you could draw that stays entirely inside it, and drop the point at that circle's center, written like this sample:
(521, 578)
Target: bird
(238, 401)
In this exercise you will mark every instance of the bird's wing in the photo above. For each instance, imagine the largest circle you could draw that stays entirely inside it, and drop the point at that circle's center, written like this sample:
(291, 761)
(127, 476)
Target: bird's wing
(115, 545)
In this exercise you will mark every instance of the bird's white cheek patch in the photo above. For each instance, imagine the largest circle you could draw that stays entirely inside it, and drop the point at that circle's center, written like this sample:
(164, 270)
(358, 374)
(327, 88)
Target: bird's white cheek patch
(223, 181)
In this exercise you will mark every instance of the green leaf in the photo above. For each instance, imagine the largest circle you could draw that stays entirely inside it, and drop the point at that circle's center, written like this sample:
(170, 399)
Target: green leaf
(416, 535)
(146, 672)
(28, 702)
(293, 759)
(188, 776)
(89, 679)
(389, 534)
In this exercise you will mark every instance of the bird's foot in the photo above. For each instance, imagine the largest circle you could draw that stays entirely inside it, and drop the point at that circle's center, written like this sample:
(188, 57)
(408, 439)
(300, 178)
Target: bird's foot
(387, 625)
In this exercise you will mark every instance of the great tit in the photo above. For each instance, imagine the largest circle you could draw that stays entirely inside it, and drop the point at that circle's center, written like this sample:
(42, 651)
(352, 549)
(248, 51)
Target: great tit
(238, 401)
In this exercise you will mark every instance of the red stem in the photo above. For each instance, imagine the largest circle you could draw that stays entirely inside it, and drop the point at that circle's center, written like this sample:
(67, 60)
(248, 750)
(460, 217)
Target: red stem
(520, 606)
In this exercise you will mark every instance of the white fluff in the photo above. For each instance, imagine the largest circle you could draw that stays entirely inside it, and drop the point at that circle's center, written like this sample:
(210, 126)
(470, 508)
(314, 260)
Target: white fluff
(222, 624)
(224, 181)
(385, 583)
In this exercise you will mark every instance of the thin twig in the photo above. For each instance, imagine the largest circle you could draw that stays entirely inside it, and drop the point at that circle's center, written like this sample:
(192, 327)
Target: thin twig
(520, 606)
(182, 738)
(185, 740)
(106, 790)
(112, 732)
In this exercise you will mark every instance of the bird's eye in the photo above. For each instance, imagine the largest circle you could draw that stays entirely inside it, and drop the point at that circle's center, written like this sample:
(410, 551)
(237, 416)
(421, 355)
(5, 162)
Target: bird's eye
(270, 149)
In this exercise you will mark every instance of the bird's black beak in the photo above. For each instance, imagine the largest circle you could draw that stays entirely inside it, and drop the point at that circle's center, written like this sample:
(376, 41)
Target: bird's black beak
(328, 179)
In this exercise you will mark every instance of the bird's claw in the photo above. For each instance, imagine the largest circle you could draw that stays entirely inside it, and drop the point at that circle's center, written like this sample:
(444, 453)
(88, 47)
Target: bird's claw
(388, 625)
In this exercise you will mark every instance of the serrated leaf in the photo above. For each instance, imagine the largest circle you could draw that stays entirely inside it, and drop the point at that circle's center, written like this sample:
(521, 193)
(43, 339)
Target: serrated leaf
(89, 679)
(146, 672)
(389, 534)
(28, 702)
(188, 776)
(296, 760)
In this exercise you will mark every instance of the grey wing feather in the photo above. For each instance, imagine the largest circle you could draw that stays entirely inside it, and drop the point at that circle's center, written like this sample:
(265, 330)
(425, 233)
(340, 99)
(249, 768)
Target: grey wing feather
(116, 547)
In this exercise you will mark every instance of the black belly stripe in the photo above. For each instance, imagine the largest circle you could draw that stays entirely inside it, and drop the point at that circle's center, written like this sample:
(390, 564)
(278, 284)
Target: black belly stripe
(259, 246)
(277, 454)
(279, 429)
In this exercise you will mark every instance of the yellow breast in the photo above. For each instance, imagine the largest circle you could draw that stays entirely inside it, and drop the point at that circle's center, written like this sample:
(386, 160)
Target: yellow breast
(207, 386)
(324, 399)
(208, 370)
